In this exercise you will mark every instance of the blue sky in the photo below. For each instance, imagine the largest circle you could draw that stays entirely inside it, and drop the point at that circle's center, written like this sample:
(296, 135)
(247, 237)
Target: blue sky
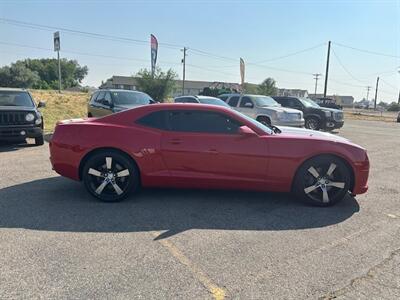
(255, 30)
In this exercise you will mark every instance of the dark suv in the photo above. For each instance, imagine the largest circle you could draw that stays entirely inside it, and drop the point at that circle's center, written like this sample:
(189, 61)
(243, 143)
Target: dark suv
(20, 117)
(106, 102)
(315, 116)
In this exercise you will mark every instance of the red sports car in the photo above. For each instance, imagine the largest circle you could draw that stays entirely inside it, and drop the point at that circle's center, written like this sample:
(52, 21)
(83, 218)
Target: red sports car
(204, 146)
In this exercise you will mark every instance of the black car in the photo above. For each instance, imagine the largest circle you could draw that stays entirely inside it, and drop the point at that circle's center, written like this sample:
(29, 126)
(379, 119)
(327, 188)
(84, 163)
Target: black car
(106, 102)
(20, 117)
(315, 116)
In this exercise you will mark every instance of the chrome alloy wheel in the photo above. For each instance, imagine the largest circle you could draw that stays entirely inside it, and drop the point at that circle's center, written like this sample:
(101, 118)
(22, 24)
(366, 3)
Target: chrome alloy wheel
(323, 188)
(109, 178)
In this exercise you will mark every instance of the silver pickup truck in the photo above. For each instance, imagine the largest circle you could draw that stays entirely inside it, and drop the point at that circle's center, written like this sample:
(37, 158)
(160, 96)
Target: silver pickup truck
(264, 109)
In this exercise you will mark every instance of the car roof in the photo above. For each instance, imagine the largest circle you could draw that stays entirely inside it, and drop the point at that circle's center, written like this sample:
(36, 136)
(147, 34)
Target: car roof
(13, 89)
(119, 90)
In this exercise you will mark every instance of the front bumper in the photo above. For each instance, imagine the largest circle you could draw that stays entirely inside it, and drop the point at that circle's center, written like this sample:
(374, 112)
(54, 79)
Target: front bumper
(19, 133)
(361, 172)
(333, 124)
(296, 123)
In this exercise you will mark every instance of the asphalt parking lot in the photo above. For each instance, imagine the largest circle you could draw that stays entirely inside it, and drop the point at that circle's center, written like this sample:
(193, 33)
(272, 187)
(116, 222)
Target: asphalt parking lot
(58, 242)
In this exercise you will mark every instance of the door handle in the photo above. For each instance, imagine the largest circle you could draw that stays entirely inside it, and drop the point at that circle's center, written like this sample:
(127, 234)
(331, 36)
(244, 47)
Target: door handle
(212, 151)
(175, 141)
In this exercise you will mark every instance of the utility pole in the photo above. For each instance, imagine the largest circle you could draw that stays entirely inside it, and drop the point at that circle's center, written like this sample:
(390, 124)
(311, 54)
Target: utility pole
(376, 92)
(398, 101)
(184, 70)
(327, 68)
(368, 88)
(316, 77)
(56, 40)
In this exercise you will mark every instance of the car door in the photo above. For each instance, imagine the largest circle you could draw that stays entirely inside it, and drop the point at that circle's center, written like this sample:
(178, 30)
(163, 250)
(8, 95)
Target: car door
(204, 149)
(247, 107)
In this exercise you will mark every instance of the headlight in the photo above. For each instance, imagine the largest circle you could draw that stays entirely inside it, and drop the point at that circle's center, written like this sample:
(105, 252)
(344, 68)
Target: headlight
(38, 121)
(280, 115)
(29, 117)
(327, 113)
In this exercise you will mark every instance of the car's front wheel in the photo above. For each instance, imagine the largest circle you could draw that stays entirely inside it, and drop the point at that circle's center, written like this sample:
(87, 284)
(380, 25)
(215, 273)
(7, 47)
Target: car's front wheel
(312, 123)
(110, 176)
(323, 180)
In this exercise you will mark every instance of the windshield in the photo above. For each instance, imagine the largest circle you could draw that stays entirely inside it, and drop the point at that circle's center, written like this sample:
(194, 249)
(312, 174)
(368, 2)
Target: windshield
(213, 101)
(266, 101)
(308, 102)
(259, 125)
(15, 98)
(130, 98)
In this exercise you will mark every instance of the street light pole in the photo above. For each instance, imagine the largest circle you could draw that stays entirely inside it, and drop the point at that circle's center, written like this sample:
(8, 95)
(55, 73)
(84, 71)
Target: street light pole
(316, 77)
(184, 70)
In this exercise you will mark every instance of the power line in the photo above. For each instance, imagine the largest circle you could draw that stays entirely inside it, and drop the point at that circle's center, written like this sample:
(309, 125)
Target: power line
(344, 68)
(367, 51)
(290, 54)
(84, 33)
(388, 84)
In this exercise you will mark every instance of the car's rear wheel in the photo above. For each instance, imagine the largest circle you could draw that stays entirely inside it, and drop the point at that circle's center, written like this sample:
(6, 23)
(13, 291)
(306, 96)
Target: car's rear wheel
(312, 123)
(110, 176)
(323, 180)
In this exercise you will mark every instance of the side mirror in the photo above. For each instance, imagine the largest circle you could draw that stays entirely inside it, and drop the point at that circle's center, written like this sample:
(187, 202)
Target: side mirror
(41, 104)
(248, 105)
(246, 131)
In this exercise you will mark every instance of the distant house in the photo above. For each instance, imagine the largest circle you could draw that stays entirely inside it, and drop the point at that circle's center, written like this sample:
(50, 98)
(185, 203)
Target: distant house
(192, 87)
(293, 93)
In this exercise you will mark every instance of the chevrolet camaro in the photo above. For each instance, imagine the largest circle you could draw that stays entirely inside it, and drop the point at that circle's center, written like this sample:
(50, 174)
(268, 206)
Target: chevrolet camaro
(205, 147)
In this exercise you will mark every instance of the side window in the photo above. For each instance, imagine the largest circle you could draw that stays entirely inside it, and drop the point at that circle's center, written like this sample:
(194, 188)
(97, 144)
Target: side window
(202, 121)
(223, 98)
(156, 119)
(246, 102)
(100, 97)
(294, 103)
(107, 98)
(93, 96)
(233, 101)
(186, 100)
(284, 102)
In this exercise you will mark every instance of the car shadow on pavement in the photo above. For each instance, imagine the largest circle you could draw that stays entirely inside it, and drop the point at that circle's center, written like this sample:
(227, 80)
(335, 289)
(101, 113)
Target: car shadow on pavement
(59, 204)
(8, 147)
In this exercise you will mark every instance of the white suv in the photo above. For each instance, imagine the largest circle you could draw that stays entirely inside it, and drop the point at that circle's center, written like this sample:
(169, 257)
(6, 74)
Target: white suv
(264, 109)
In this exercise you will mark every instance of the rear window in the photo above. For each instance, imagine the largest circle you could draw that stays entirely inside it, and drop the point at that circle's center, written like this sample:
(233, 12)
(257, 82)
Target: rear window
(15, 98)
(156, 119)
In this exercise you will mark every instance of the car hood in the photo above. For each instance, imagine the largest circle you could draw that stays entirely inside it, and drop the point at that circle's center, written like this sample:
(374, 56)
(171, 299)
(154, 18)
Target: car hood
(312, 134)
(280, 109)
(330, 109)
(17, 108)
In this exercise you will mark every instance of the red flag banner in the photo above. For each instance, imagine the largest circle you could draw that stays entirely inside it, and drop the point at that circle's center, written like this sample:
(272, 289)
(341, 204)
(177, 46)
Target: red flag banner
(242, 71)
(154, 50)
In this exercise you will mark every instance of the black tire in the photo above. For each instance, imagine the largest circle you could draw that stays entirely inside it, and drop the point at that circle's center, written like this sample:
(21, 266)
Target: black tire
(321, 173)
(101, 179)
(264, 120)
(39, 141)
(313, 123)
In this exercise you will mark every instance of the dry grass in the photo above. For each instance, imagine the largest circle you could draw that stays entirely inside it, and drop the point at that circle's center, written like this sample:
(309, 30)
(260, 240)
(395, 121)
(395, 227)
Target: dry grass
(62, 106)
(370, 115)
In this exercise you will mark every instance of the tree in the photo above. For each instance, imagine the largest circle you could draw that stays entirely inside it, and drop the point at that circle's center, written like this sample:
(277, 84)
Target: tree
(42, 73)
(268, 87)
(159, 86)
(250, 88)
(393, 107)
(18, 75)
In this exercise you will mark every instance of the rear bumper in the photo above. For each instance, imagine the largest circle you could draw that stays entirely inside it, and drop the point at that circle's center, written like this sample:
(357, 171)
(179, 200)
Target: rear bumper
(19, 133)
(297, 123)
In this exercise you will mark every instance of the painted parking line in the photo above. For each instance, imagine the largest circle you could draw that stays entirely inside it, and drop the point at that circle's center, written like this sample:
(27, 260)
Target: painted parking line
(217, 292)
